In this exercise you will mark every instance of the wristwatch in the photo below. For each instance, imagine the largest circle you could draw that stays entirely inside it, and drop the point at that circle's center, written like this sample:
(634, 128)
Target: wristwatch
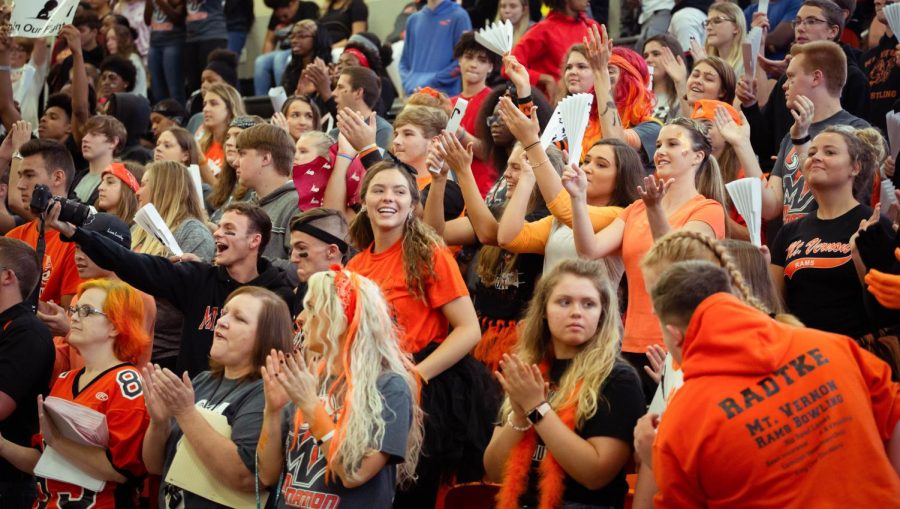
(17, 155)
(538, 413)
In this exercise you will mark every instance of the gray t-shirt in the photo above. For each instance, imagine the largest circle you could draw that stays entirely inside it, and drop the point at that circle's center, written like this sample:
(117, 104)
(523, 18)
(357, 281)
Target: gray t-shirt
(798, 199)
(205, 20)
(86, 187)
(304, 486)
(242, 403)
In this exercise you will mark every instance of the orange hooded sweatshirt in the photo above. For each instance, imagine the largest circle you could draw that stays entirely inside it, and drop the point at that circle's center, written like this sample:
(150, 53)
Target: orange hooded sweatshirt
(775, 416)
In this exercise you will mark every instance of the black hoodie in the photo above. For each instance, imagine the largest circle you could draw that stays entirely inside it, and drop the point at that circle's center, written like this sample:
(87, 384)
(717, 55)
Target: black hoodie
(197, 289)
(134, 112)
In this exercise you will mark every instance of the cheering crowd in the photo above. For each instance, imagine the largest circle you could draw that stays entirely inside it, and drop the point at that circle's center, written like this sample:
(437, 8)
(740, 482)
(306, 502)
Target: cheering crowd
(358, 305)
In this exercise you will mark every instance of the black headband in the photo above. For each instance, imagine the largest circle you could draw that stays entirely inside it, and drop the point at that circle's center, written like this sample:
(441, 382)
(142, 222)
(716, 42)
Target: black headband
(321, 234)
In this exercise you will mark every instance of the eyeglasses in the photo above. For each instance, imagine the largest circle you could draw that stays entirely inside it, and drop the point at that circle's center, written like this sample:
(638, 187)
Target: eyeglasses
(716, 20)
(84, 311)
(494, 119)
(808, 22)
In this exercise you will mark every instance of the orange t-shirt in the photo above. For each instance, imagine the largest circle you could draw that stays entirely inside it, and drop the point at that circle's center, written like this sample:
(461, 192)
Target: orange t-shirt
(59, 276)
(641, 325)
(421, 322)
(215, 153)
(772, 415)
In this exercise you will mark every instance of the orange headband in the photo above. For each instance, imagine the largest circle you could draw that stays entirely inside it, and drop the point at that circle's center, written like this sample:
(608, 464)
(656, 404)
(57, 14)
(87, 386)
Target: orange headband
(121, 172)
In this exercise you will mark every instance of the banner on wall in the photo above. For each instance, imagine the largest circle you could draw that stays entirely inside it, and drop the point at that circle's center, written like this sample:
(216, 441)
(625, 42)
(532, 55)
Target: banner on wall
(41, 18)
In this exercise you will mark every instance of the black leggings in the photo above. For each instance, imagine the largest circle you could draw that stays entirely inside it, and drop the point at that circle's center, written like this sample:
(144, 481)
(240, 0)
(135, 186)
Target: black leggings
(638, 361)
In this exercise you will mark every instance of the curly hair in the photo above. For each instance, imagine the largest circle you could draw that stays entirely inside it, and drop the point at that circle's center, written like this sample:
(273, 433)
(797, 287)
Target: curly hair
(419, 240)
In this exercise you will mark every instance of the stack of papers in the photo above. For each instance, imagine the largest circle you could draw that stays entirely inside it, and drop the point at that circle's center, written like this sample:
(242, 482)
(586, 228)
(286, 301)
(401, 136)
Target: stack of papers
(746, 194)
(148, 218)
(893, 131)
(555, 131)
(763, 6)
(80, 424)
(194, 171)
(496, 37)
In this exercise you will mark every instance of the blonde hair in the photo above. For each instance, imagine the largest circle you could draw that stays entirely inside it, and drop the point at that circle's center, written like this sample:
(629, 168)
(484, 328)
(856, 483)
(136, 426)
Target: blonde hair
(233, 101)
(684, 245)
(173, 194)
(708, 178)
(419, 240)
(320, 141)
(430, 120)
(595, 360)
(736, 57)
(374, 351)
(865, 147)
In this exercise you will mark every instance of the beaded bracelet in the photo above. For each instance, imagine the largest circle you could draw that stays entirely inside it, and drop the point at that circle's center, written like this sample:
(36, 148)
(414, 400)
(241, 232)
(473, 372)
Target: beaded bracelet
(512, 425)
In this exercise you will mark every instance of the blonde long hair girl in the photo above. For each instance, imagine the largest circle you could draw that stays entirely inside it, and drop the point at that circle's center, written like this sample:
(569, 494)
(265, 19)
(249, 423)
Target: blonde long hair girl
(234, 104)
(168, 186)
(734, 15)
(355, 354)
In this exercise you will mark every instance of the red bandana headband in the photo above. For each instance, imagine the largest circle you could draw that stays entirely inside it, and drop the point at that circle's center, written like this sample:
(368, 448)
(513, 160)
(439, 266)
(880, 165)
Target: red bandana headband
(363, 61)
(121, 172)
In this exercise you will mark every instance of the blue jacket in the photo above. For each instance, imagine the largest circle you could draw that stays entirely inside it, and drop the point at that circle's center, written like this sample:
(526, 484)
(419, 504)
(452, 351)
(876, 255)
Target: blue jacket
(427, 58)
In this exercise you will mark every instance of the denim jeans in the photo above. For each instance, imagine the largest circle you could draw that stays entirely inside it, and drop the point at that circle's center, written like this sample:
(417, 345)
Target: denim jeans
(236, 41)
(266, 67)
(165, 68)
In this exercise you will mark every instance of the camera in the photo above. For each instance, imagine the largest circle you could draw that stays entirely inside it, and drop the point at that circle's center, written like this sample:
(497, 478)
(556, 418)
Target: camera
(71, 211)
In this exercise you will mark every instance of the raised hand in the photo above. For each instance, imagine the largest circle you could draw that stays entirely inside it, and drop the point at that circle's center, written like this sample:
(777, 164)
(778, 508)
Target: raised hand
(644, 436)
(276, 397)
(54, 317)
(746, 92)
(457, 157)
(774, 68)
(653, 190)
(526, 131)
(72, 36)
(865, 224)
(731, 132)
(599, 46)
(697, 50)
(523, 383)
(760, 19)
(574, 180)
(299, 383)
(21, 133)
(802, 110)
(157, 409)
(673, 65)
(279, 120)
(359, 130)
(435, 162)
(177, 393)
(885, 287)
(517, 74)
(657, 357)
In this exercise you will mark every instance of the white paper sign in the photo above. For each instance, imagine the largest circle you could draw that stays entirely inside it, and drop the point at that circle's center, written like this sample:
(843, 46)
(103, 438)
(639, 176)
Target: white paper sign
(41, 18)
(763, 7)
(456, 117)
(278, 97)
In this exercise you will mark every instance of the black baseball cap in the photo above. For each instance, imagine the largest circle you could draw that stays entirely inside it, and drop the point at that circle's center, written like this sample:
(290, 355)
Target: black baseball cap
(170, 108)
(111, 227)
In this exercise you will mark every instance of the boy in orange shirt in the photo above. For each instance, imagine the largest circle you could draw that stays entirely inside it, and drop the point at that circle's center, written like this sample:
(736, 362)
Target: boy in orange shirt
(48, 163)
(769, 415)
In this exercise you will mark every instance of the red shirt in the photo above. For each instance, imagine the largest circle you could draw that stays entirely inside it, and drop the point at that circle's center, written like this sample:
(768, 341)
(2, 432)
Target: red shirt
(484, 172)
(542, 48)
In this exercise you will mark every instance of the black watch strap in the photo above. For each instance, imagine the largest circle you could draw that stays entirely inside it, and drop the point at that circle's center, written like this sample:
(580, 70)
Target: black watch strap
(538, 413)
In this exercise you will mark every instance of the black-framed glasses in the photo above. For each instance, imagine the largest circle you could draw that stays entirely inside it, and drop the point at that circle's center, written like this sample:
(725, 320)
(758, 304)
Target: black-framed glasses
(808, 22)
(84, 311)
(716, 20)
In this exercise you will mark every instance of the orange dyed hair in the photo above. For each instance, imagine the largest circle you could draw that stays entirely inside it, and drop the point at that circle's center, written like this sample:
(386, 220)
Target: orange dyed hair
(125, 309)
(633, 100)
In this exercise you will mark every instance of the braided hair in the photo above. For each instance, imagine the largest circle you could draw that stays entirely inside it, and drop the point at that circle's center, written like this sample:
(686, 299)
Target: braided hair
(690, 245)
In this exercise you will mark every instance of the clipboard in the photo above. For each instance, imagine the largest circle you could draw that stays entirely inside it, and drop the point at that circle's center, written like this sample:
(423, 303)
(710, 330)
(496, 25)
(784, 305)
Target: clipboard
(189, 473)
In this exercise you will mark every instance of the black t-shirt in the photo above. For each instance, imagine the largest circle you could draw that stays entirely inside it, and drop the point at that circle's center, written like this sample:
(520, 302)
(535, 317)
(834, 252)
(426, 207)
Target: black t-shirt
(884, 80)
(339, 23)
(510, 292)
(26, 364)
(621, 405)
(822, 287)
